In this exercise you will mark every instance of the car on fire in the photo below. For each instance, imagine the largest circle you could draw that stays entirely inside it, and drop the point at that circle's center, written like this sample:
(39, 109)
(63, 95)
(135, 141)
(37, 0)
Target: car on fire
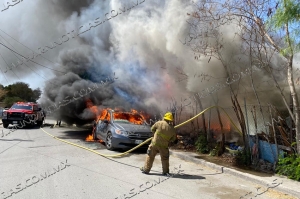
(24, 114)
(121, 130)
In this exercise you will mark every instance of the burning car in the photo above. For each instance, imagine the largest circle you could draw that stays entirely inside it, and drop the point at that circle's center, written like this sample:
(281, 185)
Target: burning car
(121, 130)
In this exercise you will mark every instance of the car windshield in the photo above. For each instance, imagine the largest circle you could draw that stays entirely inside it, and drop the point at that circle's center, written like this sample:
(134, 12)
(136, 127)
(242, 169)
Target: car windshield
(18, 106)
(128, 118)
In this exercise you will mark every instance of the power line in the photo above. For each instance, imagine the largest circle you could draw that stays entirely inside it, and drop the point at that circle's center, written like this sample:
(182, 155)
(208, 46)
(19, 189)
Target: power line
(7, 66)
(25, 63)
(29, 59)
(28, 47)
(2, 71)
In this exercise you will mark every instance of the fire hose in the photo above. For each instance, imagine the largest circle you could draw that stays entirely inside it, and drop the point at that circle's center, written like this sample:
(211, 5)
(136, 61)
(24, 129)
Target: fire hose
(124, 153)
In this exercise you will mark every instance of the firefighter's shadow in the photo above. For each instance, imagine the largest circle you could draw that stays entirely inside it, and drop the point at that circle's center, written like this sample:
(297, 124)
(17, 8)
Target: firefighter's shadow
(188, 177)
(181, 176)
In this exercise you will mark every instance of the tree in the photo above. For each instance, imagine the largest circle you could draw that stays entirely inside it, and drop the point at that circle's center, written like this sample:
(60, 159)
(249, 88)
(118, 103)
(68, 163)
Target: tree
(36, 94)
(256, 25)
(20, 91)
(275, 32)
(2, 93)
(9, 101)
(209, 45)
(287, 17)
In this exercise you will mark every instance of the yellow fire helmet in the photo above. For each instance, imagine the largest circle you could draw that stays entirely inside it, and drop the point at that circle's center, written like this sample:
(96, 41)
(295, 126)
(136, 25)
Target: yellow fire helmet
(168, 116)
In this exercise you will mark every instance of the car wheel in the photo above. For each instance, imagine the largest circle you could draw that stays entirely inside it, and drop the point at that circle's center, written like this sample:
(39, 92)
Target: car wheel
(108, 141)
(5, 125)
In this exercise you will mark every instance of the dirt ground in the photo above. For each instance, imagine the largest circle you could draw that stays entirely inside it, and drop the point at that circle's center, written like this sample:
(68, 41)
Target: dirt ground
(227, 159)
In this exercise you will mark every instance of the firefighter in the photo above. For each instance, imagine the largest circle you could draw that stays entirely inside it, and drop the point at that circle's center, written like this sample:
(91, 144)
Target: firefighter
(164, 134)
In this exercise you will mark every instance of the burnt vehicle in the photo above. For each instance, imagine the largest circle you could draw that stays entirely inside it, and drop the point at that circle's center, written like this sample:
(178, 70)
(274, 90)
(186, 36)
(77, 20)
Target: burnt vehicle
(23, 114)
(121, 130)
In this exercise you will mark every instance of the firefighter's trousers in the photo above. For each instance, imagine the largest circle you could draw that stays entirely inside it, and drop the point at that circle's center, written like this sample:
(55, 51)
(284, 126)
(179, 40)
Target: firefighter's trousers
(151, 153)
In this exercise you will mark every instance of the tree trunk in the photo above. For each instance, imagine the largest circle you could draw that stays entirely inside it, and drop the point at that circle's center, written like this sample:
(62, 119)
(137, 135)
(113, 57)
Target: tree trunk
(240, 116)
(209, 135)
(203, 116)
(236, 106)
(295, 101)
(222, 143)
(293, 89)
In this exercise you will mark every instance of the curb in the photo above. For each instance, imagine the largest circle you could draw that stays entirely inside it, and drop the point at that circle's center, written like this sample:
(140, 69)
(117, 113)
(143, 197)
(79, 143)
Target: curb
(199, 161)
(286, 187)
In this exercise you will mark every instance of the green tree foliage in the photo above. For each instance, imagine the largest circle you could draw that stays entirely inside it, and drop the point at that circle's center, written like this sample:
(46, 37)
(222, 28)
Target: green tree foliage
(3, 92)
(286, 19)
(20, 91)
(36, 94)
(9, 101)
(288, 13)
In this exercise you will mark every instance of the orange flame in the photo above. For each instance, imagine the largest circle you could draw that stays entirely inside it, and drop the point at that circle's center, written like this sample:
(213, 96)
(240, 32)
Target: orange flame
(216, 125)
(94, 109)
(133, 116)
(89, 138)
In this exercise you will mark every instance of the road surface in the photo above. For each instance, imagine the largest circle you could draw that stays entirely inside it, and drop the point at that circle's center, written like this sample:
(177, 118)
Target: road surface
(34, 165)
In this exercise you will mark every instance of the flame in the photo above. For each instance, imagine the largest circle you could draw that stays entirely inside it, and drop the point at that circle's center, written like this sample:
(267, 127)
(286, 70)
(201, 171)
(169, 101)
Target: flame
(89, 138)
(218, 127)
(89, 104)
(133, 116)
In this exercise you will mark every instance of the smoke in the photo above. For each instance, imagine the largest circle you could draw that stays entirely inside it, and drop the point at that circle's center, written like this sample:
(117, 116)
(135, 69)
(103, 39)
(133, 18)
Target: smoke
(66, 8)
(141, 47)
(132, 47)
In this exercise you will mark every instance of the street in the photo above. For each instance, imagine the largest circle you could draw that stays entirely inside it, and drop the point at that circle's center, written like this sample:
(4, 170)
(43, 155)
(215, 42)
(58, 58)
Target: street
(35, 165)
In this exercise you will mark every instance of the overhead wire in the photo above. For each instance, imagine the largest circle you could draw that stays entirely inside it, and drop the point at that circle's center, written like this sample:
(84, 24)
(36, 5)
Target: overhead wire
(7, 66)
(28, 47)
(30, 59)
(3, 72)
(19, 58)
(26, 64)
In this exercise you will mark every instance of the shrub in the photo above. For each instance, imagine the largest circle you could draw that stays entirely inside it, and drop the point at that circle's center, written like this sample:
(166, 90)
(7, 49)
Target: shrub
(216, 151)
(213, 152)
(289, 166)
(202, 144)
(243, 158)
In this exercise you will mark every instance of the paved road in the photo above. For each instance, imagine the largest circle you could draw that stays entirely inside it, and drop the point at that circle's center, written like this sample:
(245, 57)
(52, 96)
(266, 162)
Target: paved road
(34, 165)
